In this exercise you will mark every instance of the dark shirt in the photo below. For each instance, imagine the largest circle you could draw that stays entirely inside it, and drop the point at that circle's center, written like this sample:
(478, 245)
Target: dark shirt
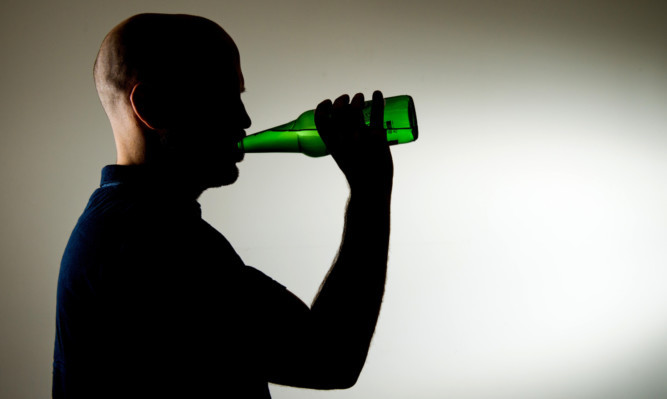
(153, 302)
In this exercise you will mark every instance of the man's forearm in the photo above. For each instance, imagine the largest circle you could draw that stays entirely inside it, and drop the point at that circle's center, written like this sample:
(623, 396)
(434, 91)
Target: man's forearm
(349, 300)
(346, 309)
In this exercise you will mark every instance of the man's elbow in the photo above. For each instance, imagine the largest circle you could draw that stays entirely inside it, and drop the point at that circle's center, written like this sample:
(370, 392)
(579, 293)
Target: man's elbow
(344, 373)
(344, 380)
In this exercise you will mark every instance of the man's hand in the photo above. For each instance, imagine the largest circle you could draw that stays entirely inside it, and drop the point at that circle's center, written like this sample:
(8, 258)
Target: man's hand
(361, 151)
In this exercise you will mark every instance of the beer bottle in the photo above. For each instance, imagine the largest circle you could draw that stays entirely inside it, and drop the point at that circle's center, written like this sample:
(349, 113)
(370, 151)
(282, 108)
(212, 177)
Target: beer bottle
(300, 135)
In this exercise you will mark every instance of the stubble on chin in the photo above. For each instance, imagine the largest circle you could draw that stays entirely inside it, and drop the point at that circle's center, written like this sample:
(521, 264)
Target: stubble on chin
(220, 178)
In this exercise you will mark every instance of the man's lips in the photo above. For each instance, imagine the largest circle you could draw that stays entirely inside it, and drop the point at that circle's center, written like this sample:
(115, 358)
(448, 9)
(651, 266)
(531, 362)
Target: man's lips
(238, 148)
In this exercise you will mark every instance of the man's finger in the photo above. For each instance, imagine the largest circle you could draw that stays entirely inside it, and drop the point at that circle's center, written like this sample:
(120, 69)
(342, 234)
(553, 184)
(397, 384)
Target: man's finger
(323, 119)
(357, 106)
(377, 110)
(341, 101)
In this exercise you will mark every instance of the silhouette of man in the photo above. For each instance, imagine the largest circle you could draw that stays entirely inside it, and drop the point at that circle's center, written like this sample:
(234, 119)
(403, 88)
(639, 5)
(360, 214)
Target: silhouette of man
(152, 301)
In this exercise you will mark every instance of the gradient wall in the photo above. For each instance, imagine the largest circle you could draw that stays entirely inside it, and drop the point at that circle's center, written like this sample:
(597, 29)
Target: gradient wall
(529, 221)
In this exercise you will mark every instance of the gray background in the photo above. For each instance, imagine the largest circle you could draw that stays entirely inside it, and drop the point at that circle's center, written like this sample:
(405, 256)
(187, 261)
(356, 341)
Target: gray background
(529, 220)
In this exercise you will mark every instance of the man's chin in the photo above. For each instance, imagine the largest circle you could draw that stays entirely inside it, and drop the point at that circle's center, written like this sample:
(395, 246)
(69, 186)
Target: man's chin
(229, 176)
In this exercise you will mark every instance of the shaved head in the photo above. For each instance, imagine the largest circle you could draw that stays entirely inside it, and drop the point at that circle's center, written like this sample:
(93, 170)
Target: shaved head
(161, 50)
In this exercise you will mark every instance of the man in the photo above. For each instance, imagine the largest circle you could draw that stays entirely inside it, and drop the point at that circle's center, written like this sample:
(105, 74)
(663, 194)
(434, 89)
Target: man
(152, 301)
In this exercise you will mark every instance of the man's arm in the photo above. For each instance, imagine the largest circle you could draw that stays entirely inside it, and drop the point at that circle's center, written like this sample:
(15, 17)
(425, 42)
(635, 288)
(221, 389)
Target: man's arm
(337, 331)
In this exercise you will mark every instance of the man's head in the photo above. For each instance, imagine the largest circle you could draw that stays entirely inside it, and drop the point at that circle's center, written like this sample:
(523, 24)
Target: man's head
(171, 87)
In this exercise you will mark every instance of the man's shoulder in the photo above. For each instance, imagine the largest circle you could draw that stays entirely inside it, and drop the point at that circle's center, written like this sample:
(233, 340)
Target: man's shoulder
(99, 225)
(109, 202)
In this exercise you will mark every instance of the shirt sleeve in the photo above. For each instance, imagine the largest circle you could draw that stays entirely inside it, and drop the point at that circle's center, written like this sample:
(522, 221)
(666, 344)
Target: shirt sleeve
(280, 322)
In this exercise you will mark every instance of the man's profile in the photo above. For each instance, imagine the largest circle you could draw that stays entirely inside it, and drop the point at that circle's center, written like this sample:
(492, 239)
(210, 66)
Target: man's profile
(153, 302)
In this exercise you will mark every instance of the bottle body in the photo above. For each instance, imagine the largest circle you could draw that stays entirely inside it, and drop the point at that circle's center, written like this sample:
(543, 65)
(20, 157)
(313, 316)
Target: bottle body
(300, 135)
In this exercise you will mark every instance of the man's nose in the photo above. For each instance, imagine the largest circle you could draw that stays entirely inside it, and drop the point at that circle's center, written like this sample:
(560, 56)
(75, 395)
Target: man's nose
(245, 118)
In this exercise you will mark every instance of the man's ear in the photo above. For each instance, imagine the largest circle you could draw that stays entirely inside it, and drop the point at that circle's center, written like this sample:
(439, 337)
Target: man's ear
(145, 108)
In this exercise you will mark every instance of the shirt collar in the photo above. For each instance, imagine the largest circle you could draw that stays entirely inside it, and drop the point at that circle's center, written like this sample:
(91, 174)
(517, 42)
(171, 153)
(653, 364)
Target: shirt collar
(146, 179)
(113, 175)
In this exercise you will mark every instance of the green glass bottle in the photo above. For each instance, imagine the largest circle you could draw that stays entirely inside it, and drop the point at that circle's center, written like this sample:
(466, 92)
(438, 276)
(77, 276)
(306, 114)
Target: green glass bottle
(300, 135)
